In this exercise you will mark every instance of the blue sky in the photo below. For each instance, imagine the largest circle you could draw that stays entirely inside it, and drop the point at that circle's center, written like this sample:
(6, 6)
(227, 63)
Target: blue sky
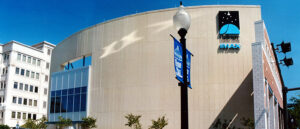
(33, 21)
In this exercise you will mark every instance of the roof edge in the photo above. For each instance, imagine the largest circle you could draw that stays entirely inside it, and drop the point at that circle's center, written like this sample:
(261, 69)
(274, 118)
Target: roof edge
(159, 10)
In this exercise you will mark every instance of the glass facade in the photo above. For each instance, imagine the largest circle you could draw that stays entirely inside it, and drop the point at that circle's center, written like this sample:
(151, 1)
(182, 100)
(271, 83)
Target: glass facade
(68, 94)
(67, 100)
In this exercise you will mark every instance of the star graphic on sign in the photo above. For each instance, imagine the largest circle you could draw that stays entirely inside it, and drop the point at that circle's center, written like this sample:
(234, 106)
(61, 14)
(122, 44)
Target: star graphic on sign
(228, 17)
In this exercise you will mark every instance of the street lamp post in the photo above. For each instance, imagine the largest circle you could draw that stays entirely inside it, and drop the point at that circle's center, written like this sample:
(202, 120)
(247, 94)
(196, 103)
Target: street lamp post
(182, 21)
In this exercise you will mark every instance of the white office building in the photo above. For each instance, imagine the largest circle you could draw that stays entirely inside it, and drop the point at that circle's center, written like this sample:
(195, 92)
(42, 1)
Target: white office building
(24, 81)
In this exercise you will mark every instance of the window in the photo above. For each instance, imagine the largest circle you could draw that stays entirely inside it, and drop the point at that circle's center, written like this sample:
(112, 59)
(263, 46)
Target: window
(68, 100)
(47, 65)
(45, 91)
(31, 88)
(19, 115)
(77, 103)
(64, 103)
(44, 104)
(37, 76)
(24, 116)
(26, 87)
(27, 73)
(52, 104)
(49, 52)
(22, 72)
(6, 70)
(13, 114)
(24, 58)
(29, 59)
(29, 116)
(30, 102)
(32, 74)
(16, 85)
(57, 104)
(25, 101)
(3, 71)
(33, 61)
(83, 102)
(21, 86)
(46, 78)
(20, 101)
(36, 89)
(34, 116)
(38, 62)
(17, 70)
(19, 56)
(14, 100)
(35, 103)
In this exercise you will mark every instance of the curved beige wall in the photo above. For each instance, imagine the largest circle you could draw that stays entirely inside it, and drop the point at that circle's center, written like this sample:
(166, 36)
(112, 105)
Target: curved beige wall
(133, 72)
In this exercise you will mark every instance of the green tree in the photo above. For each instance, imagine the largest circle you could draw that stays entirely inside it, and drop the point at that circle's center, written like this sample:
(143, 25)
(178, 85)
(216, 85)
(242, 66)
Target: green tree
(35, 124)
(295, 110)
(41, 123)
(133, 121)
(4, 127)
(31, 124)
(247, 122)
(160, 123)
(88, 123)
(62, 123)
(223, 124)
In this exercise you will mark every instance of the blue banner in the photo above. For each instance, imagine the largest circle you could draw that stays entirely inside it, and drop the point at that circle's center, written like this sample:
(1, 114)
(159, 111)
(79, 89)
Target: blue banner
(178, 62)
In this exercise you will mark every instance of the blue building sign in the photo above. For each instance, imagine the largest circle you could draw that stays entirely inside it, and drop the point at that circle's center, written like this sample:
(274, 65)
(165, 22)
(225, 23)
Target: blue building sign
(228, 22)
(229, 30)
(230, 46)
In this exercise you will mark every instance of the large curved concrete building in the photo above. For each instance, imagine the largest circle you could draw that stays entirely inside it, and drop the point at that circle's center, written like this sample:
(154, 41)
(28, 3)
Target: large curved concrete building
(132, 70)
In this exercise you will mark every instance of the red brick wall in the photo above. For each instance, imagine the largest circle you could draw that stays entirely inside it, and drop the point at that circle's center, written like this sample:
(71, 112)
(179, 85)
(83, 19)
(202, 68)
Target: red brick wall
(271, 80)
(267, 70)
(271, 52)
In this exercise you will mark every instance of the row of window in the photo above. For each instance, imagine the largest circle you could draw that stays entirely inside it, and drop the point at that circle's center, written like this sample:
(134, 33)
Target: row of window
(24, 101)
(68, 100)
(29, 59)
(26, 87)
(2, 85)
(24, 115)
(28, 73)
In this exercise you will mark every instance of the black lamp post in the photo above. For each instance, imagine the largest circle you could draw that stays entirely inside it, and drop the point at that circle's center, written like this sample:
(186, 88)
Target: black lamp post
(182, 21)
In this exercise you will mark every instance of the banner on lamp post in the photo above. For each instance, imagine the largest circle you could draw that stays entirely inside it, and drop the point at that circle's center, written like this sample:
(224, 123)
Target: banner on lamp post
(178, 62)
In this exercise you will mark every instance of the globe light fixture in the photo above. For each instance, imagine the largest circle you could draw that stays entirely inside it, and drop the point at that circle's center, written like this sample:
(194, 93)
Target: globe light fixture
(181, 19)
